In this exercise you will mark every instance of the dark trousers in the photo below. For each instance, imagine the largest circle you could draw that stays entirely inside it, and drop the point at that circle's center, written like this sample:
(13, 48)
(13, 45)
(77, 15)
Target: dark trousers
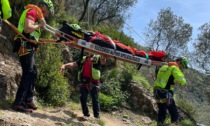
(163, 107)
(94, 92)
(26, 87)
(172, 111)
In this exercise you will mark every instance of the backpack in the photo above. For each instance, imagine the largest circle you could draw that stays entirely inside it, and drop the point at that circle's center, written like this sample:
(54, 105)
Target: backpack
(72, 31)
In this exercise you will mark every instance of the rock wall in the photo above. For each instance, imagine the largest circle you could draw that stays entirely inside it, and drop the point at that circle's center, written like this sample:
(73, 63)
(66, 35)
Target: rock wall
(10, 74)
(142, 100)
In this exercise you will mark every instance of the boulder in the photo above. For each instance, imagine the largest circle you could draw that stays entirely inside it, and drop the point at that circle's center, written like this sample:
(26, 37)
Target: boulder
(10, 75)
(142, 100)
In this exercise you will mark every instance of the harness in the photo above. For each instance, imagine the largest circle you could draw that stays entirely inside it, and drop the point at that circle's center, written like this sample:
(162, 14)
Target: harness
(25, 47)
(88, 83)
(164, 95)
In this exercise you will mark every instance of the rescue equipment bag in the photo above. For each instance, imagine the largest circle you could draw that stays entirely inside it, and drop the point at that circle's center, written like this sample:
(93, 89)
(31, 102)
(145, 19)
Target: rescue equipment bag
(71, 29)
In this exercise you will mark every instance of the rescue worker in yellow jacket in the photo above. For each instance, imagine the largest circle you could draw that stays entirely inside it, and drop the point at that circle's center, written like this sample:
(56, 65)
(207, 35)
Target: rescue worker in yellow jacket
(167, 76)
(30, 24)
(89, 76)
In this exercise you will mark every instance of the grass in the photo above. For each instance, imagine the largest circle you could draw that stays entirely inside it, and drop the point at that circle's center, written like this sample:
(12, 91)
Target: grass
(101, 122)
(6, 104)
(137, 77)
(186, 122)
(186, 106)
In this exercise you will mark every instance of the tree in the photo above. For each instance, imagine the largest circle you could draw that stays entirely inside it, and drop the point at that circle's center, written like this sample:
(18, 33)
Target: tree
(168, 32)
(97, 11)
(202, 46)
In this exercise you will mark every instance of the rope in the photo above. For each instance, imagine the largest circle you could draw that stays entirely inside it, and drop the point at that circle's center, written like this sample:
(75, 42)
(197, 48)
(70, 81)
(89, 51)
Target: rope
(41, 40)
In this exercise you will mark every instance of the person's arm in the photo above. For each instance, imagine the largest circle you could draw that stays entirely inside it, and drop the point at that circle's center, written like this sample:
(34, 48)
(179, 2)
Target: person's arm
(68, 65)
(30, 26)
(103, 59)
(178, 76)
(31, 18)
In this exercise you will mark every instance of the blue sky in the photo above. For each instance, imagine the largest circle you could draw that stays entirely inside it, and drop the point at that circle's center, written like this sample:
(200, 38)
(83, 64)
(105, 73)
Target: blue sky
(194, 12)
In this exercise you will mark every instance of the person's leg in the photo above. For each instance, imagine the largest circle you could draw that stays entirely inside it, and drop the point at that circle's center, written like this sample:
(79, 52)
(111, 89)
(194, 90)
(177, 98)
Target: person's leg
(29, 97)
(27, 69)
(161, 113)
(173, 111)
(95, 102)
(83, 100)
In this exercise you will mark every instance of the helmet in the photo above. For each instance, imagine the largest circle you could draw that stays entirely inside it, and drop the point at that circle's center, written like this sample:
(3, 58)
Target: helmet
(75, 26)
(184, 61)
(49, 4)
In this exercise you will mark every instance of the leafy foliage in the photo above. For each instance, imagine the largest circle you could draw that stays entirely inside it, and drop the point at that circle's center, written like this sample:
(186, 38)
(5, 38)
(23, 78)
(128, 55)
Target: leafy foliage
(97, 12)
(106, 102)
(202, 45)
(168, 32)
(51, 85)
(186, 122)
(112, 87)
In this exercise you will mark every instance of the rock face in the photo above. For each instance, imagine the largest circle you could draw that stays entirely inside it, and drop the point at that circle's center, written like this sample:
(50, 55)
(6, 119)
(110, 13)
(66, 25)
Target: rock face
(142, 100)
(10, 74)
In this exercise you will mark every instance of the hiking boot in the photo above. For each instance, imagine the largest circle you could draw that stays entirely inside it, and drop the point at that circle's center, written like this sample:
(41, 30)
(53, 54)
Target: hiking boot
(31, 105)
(87, 115)
(20, 108)
(97, 116)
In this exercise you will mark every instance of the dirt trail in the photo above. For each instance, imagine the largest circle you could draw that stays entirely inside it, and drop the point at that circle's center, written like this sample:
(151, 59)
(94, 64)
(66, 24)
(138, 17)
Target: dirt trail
(56, 117)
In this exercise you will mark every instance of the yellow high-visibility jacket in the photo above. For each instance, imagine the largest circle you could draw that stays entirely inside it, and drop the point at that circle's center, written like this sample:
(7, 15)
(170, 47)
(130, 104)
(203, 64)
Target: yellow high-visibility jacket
(165, 72)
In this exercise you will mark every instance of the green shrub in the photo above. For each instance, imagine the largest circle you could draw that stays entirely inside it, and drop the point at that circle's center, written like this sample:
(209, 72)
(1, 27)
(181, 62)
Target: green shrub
(141, 80)
(106, 102)
(51, 86)
(112, 87)
(186, 122)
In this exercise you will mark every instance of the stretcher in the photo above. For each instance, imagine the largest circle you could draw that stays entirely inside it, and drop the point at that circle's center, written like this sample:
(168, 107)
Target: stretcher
(96, 49)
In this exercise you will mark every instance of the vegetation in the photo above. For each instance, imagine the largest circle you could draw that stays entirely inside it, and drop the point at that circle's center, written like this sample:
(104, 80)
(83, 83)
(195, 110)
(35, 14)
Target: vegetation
(202, 52)
(168, 32)
(51, 85)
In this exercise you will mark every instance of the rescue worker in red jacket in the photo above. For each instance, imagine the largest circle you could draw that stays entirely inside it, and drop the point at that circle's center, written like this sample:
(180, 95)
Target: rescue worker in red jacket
(167, 76)
(30, 24)
(89, 75)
